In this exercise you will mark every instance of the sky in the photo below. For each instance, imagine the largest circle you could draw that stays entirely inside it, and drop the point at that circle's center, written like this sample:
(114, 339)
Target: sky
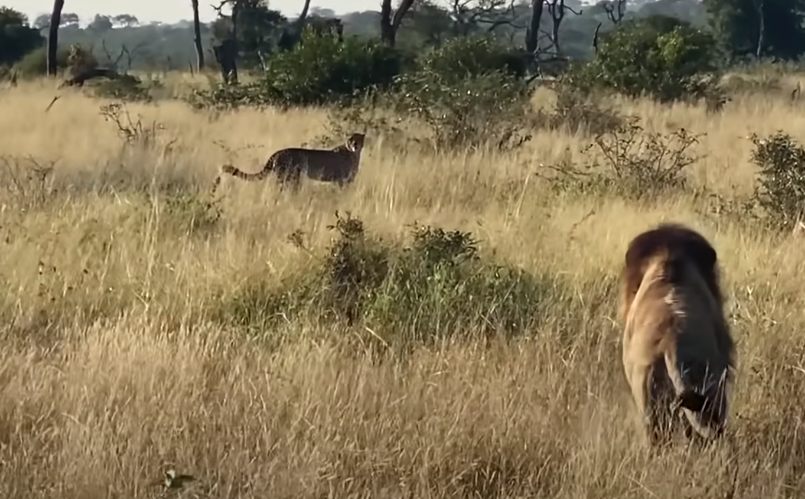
(171, 11)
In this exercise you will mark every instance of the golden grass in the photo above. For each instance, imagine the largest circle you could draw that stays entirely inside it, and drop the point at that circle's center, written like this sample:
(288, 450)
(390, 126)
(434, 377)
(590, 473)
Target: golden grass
(113, 371)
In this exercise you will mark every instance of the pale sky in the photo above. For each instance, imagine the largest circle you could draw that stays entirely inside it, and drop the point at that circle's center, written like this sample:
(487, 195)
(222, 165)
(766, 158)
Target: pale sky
(171, 11)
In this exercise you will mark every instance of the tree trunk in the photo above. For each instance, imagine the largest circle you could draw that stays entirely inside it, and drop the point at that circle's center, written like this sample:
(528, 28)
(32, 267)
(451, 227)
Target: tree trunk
(557, 10)
(761, 29)
(388, 24)
(532, 32)
(53, 36)
(197, 37)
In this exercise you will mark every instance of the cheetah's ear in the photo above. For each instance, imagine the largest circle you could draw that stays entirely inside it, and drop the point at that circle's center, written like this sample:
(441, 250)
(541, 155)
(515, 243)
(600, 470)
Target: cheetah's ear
(691, 400)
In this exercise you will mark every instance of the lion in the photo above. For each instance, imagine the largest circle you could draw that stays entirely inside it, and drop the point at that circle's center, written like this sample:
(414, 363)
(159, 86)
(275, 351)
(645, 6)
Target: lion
(339, 165)
(677, 349)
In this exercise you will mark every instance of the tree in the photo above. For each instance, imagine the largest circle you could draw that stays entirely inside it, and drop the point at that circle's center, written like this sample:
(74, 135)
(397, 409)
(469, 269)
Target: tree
(16, 38)
(100, 23)
(658, 56)
(390, 24)
(429, 22)
(474, 16)
(42, 21)
(250, 30)
(197, 37)
(772, 28)
(53, 36)
(126, 20)
(532, 31)
(67, 19)
(557, 10)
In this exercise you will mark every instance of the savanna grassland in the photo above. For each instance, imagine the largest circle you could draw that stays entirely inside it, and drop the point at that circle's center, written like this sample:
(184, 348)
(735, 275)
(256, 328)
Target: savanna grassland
(243, 341)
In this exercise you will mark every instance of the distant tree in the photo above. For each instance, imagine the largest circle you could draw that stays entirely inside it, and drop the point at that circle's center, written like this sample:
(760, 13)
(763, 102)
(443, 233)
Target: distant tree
(251, 28)
(773, 28)
(69, 19)
(42, 21)
(100, 23)
(17, 38)
(429, 22)
(125, 21)
(322, 12)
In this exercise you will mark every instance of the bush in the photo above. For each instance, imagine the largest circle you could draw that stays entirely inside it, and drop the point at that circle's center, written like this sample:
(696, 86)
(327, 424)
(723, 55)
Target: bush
(467, 57)
(489, 109)
(631, 163)
(781, 179)
(319, 70)
(35, 64)
(659, 56)
(433, 288)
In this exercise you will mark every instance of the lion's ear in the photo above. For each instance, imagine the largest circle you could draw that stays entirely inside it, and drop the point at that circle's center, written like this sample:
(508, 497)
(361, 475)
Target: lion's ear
(691, 400)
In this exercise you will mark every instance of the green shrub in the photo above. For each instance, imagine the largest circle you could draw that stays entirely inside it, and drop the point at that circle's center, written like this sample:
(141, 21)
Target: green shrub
(317, 71)
(35, 63)
(321, 70)
(781, 178)
(467, 57)
(490, 109)
(659, 56)
(435, 287)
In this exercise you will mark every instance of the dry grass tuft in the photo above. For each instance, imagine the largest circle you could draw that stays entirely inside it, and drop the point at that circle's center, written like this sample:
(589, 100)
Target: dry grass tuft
(115, 369)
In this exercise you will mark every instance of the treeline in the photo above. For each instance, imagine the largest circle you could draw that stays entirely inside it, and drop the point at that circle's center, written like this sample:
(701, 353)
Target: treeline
(169, 47)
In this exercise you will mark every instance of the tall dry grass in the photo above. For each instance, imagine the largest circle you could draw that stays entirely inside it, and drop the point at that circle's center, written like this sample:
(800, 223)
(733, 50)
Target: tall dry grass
(114, 369)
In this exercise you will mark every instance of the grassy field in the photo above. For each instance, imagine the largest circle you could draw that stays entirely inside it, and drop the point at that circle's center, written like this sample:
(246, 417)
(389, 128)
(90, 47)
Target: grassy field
(122, 358)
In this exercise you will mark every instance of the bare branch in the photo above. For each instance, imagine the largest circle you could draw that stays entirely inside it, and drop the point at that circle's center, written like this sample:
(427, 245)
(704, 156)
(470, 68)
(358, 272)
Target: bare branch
(616, 10)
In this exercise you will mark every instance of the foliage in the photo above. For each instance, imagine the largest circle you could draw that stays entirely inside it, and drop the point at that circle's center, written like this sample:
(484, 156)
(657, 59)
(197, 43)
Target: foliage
(17, 38)
(320, 69)
(736, 26)
(471, 56)
(632, 163)
(658, 56)
(487, 110)
(434, 287)
(781, 179)
(34, 63)
(317, 71)
(259, 30)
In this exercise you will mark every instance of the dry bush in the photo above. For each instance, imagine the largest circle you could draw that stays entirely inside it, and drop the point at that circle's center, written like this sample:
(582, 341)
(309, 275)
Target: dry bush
(117, 366)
